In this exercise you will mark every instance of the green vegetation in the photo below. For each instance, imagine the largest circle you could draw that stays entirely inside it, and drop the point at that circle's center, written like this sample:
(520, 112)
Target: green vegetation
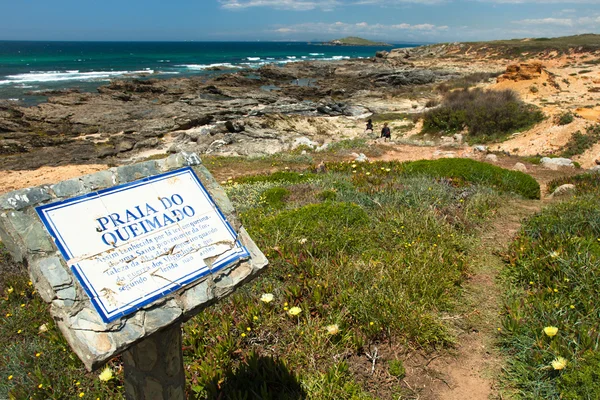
(517, 47)
(580, 142)
(356, 41)
(467, 81)
(564, 118)
(487, 115)
(584, 183)
(364, 255)
(550, 323)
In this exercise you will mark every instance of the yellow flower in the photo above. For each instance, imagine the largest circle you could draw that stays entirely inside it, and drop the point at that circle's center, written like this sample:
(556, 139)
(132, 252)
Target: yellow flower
(30, 283)
(295, 311)
(243, 335)
(559, 363)
(333, 329)
(81, 394)
(106, 374)
(38, 354)
(10, 377)
(572, 306)
(266, 297)
(10, 290)
(255, 318)
(248, 329)
(551, 330)
(531, 282)
(40, 386)
(371, 323)
(19, 331)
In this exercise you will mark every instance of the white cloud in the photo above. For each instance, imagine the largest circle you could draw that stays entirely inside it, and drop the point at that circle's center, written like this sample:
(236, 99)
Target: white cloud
(546, 21)
(305, 5)
(361, 28)
(297, 5)
(580, 23)
(540, 1)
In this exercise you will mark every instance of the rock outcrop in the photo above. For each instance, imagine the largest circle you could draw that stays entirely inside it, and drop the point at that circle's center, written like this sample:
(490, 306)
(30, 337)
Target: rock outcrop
(522, 72)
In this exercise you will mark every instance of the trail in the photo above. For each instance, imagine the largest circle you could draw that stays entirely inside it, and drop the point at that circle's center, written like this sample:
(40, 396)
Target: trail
(470, 370)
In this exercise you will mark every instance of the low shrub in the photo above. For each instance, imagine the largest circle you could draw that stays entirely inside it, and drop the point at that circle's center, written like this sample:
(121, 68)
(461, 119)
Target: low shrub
(564, 118)
(275, 197)
(281, 177)
(471, 171)
(584, 183)
(580, 142)
(488, 115)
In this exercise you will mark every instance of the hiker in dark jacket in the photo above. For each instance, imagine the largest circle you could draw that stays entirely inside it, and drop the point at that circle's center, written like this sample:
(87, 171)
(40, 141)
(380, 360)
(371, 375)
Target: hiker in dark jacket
(386, 133)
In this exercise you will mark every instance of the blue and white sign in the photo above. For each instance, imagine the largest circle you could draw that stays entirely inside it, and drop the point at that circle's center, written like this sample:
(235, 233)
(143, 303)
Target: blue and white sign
(132, 244)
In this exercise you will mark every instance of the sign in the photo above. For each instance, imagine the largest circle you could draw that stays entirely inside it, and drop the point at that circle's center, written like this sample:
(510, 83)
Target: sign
(132, 244)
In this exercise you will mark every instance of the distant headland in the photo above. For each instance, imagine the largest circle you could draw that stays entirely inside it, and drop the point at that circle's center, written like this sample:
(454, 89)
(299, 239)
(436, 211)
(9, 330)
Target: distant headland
(354, 41)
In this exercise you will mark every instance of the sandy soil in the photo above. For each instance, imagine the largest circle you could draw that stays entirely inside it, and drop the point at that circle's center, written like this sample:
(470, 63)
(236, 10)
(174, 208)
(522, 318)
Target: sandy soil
(13, 180)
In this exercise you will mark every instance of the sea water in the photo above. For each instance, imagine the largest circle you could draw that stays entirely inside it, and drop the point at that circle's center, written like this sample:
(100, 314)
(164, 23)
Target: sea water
(27, 69)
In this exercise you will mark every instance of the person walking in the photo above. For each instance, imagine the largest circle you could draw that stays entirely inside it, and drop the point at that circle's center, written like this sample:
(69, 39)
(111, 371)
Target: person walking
(386, 133)
(369, 126)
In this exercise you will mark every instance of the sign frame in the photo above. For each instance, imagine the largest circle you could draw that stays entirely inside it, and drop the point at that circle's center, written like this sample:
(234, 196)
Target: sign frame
(44, 211)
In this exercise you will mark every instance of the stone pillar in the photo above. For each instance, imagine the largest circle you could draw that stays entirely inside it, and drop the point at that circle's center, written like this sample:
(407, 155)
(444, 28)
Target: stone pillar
(154, 367)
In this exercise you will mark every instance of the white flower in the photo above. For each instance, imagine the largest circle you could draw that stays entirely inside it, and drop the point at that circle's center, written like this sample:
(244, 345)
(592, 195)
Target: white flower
(295, 311)
(303, 240)
(559, 363)
(106, 374)
(333, 329)
(266, 298)
(43, 328)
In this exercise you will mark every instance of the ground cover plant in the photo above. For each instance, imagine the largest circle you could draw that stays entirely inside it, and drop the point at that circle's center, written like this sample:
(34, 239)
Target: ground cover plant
(487, 115)
(584, 183)
(551, 321)
(580, 142)
(363, 256)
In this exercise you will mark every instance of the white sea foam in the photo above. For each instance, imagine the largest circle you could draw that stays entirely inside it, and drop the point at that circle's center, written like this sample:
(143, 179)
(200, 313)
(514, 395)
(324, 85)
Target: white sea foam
(57, 76)
(199, 67)
(291, 57)
(316, 54)
(334, 58)
(253, 58)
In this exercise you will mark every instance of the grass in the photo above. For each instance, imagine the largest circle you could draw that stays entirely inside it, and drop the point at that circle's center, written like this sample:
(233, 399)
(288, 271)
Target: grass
(553, 280)
(372, 254)
(486, 115)
(584, 183)
(580, 142)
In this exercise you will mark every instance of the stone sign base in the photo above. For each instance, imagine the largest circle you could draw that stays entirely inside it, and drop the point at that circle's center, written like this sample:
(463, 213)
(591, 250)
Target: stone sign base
(154, 367)
(92, 339)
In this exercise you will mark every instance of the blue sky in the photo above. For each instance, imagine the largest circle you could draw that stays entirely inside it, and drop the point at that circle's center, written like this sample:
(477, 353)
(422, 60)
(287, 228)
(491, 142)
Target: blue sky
(306, 20)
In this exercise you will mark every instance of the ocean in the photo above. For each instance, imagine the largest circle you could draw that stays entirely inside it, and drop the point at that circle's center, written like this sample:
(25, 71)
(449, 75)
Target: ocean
(29, 68)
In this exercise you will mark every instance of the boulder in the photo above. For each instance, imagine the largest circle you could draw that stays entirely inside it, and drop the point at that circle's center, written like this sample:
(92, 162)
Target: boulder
(563, 190)
(491, 158)
(520, 167)
(304, 141)
(361, 158)
(556, 162)
(480, 148)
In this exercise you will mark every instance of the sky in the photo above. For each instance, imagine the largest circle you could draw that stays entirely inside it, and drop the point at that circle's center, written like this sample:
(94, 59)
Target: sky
(393, 21)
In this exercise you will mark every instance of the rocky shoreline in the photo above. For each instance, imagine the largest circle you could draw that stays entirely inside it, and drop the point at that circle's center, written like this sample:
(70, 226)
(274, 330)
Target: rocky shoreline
(244, 113)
